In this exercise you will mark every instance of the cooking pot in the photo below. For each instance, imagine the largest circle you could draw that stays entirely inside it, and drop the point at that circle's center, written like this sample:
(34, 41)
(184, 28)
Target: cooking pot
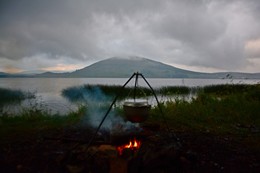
(136, 111)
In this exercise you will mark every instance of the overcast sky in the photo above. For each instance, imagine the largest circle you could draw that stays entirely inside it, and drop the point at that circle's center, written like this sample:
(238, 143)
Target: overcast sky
(200, 35)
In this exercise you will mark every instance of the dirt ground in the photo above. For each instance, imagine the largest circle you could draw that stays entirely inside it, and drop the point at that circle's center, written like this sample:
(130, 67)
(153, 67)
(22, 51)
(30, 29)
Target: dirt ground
(64, 150)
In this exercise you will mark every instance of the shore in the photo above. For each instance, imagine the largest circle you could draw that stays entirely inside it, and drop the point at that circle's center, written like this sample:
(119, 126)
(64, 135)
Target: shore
(46, 151)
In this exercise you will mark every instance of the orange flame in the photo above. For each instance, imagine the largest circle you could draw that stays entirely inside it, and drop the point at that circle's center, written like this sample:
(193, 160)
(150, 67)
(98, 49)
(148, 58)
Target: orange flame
(133, 145)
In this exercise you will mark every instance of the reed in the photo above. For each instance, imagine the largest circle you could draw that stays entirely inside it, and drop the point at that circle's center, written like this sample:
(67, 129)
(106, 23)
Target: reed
(218, 109)
(174, 90)
(35, 120)
(83, 93)
(101, 92)
(9, 96)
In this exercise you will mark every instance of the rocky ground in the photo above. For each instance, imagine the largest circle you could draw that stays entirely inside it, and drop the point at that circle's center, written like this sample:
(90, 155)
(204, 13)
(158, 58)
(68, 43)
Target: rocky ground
(66, 150)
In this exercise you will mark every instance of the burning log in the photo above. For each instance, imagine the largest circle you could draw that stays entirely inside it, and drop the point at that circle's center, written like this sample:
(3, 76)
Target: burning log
(133, 145)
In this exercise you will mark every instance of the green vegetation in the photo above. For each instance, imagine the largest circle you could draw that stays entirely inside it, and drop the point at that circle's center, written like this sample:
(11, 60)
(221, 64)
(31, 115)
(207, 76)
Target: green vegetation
(229, 109)
(220, 109)
(33, 120)
(9, 96)
(83, 93)
(99, 92)
(174, 90)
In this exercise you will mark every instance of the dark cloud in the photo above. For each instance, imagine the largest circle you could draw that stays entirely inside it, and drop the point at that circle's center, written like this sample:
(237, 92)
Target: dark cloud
(193, 33)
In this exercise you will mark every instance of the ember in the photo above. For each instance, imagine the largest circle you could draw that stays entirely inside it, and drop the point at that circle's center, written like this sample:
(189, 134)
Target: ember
(133, 145)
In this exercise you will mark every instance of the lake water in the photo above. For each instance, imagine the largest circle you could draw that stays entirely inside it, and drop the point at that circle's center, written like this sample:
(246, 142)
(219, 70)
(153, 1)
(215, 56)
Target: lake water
(48, 90)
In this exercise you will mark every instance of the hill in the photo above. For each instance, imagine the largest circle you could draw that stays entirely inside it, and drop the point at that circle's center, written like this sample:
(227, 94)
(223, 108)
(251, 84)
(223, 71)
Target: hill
(2, 74)
(119, 67)
(124, 67)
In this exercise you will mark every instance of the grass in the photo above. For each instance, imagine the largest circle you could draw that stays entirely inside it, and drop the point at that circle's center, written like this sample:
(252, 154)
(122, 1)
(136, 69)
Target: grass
(99, 92)
(9, 96)
(173, 90)
(220, 109)
(35, 120)
(225, 109)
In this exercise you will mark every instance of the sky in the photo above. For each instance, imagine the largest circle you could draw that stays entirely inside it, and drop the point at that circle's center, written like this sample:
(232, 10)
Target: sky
(65, 35)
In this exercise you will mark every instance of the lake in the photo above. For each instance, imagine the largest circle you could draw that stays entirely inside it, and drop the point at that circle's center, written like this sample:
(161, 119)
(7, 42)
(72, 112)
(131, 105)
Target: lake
(48, 90)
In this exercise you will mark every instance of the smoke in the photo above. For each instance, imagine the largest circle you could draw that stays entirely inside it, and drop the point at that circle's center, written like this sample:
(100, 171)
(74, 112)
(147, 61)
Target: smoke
(98, 104)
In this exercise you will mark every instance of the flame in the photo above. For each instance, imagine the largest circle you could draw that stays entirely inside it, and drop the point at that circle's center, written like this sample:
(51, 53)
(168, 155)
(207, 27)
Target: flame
(133, 145)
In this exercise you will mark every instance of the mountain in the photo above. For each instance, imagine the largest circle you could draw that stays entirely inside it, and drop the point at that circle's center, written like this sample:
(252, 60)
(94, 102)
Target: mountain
(2, 74)
(124, 67)
(13, 75)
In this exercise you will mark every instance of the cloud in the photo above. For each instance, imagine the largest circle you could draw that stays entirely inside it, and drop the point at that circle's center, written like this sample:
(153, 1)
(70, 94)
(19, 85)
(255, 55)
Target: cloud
(207, 34)
(211, 34)
(252, 48)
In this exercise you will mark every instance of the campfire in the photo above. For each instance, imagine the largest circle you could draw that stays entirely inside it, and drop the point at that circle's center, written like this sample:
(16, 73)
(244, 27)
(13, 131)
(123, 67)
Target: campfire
(133, 145)
(130, 144)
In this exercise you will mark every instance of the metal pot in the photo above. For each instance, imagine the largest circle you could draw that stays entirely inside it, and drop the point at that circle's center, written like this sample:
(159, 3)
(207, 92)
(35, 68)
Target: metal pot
(136, 111)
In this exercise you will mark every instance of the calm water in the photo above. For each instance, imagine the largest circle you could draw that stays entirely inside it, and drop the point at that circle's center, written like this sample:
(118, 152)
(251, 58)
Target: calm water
(48, 90)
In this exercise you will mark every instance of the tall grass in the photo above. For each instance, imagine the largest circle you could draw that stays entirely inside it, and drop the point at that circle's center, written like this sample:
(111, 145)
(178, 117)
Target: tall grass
(9, 96)
(83, 93)
(174, 90)
(35, 120)
(220, 109)
(216, 108)
(35, 116)
(88, 92)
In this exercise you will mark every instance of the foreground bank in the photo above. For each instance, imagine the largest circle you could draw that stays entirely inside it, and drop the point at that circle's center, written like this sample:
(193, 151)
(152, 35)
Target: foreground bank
(218, 131)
